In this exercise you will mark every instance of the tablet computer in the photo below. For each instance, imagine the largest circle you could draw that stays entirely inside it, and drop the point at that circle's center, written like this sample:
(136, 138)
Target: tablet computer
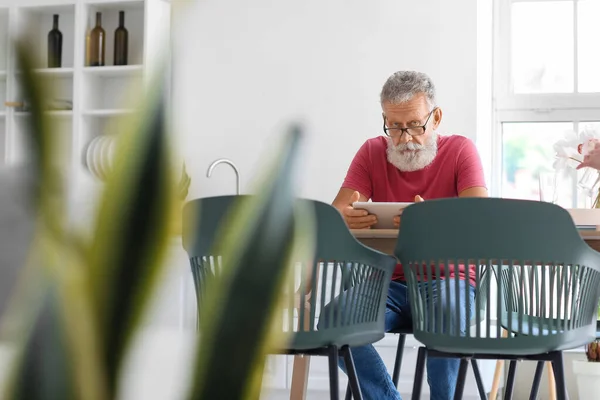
(385, 212)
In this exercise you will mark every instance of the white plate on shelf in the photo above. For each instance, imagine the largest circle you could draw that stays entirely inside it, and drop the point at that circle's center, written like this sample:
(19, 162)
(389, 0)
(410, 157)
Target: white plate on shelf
(104, 143)
(385, 212)
(90, 157)
(106, 156)
(86, 155)
(110, 153)
(113, 152)
(97, 159)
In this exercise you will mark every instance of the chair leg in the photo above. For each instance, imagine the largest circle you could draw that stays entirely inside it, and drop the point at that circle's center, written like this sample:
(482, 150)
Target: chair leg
(348, 391)
(496, 380)
(352, 376)
(559, 376)
(478, 380)
(460, 381)
(398, 361)
(301, 364)
(551, 381)
(535, 386)
(334, 382)
(510, 382)
(497, 373)
(419, 372)
(300, 377)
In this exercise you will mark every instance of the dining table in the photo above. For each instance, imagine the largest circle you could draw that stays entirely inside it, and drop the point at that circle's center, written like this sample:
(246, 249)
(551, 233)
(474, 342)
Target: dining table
(587, 221)
(384, 240)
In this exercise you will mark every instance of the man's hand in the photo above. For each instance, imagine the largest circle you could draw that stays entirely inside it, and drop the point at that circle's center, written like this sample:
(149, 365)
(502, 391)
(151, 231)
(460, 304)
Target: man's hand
(418, 199)
(357, 219)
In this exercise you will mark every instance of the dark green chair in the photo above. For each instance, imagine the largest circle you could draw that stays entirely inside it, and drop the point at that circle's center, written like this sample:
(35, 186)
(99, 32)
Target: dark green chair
(408, 330)
(341, 270)
(547, 281)
(402, 332)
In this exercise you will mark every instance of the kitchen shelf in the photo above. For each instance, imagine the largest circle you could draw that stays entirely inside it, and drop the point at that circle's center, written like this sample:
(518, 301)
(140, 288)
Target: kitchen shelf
(114, 71)
(54, 72)
(108, 112)
(37, 19)
(53, 113)
(126, 5)
(48, 10)
(81, 101)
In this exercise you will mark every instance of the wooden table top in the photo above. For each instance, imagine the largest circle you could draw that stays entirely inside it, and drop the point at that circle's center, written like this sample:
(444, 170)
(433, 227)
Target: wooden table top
(580, 216)
(393, 233)
(385, 239)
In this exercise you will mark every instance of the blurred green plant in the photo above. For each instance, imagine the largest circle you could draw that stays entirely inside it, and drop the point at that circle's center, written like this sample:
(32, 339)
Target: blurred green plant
(90, 294)
(241, 313)
(80, 301)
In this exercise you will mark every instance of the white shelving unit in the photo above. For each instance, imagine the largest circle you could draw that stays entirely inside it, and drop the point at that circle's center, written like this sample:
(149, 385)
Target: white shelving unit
(100, 98)
(108, 112)
(53, 113)
(114, 71)
(4, 12)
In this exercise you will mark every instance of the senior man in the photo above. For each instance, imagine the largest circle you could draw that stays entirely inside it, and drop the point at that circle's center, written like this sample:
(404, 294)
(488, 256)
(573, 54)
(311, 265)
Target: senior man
(410, 162)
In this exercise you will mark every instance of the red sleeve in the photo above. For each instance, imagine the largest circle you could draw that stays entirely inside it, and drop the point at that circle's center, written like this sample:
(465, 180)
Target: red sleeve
(358, 176)
(469, 168)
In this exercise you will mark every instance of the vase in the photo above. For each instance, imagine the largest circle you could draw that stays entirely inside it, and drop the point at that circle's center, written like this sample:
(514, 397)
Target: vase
(547, 187)
(590, 188)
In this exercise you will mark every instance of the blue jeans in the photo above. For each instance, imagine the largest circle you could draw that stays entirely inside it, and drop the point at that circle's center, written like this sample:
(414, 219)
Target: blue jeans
(375, 381)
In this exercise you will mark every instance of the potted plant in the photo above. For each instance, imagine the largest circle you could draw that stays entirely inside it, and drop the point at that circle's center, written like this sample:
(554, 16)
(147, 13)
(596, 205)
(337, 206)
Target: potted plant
(80, 300)
(588, 372)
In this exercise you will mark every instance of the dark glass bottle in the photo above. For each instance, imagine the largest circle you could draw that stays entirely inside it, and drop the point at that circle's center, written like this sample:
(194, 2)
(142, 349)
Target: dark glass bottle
(121, 41)
(97, 43)
(55, 40)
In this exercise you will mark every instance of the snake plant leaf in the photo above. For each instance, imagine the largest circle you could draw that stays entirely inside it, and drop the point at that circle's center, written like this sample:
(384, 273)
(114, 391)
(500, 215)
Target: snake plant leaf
(39, 138)
(132, 232)
(45, 360)
(95, 293)
(256, 241)
(53, 351)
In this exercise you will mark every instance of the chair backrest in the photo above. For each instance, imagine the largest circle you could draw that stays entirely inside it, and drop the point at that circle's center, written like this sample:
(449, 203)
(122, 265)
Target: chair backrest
(341, 266)
(547, 280)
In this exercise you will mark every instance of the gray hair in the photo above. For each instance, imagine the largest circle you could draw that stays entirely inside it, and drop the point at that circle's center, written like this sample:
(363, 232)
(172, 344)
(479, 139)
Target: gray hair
(404, 85)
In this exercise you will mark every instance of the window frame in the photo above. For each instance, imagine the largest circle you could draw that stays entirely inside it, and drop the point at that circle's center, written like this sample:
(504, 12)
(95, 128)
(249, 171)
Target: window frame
(536, 107)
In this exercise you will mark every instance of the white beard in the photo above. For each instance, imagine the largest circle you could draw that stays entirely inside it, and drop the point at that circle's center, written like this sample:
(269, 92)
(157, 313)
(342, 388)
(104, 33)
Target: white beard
(419, 157)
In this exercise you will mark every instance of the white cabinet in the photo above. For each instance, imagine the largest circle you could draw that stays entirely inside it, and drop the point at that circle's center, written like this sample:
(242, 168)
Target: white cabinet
(4, 11)
(93, 101)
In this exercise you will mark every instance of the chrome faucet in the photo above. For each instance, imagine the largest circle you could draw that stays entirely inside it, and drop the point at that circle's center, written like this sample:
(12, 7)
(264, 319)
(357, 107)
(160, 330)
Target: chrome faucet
(225, 161)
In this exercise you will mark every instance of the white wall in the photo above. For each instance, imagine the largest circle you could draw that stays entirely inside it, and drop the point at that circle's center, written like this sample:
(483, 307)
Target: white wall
(245, 69)
(485, 42)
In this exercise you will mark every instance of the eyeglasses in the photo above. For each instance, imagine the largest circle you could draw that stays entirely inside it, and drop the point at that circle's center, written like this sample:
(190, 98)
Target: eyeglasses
(412, 131)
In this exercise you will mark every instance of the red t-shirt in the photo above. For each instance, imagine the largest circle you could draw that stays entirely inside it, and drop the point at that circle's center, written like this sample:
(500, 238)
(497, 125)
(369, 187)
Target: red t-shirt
(456, 167)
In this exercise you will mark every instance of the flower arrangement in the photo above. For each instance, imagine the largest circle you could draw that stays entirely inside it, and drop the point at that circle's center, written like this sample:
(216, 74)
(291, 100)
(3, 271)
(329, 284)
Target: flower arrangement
(570, 152)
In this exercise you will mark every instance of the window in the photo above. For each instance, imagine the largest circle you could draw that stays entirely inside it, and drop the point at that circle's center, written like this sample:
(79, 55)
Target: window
(546, 84)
